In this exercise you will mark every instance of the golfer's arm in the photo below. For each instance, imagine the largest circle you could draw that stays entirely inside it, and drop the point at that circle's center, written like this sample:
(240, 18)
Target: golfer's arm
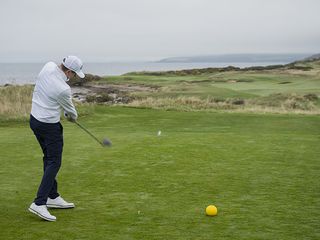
(65, 101)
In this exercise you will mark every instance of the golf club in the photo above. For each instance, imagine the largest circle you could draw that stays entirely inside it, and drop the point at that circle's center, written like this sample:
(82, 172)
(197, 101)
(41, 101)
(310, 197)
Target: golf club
(104, 143)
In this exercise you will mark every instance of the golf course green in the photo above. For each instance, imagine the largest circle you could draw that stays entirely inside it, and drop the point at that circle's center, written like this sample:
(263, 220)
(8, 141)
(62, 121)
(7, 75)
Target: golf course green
(260, 170)
(243, 140)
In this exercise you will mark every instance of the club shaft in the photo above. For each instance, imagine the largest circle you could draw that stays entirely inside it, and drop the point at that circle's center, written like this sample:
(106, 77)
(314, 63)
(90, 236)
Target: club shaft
(87, 131)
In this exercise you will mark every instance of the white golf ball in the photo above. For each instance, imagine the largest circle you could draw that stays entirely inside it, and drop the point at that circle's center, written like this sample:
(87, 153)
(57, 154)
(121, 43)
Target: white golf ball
(159, 133)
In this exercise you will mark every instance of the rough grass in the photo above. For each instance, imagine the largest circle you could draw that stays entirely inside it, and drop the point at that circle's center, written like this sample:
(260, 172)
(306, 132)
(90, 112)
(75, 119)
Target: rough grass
(261, 171)
(277, 103)
(15, 102)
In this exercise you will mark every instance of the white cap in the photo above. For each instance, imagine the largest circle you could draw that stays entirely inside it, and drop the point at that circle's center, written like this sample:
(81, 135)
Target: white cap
(74, 64)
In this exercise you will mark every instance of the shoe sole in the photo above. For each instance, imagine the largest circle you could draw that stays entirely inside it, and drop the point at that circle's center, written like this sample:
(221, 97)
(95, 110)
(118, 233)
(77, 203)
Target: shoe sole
(59, 206)
(41, 216)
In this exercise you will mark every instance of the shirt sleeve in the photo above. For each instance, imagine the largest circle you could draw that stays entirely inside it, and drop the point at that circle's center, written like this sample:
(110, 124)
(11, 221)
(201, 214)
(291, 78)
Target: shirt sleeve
(65, 101)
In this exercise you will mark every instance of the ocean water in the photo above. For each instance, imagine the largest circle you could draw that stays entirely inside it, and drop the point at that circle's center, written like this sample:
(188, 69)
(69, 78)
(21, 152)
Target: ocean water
(26, 73)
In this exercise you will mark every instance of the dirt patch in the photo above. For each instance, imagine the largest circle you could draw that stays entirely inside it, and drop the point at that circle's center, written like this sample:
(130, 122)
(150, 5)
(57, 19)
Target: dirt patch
(108, 93)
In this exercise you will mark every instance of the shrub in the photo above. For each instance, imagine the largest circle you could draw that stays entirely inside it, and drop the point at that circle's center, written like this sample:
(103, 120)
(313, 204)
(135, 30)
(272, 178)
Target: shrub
(311, 97)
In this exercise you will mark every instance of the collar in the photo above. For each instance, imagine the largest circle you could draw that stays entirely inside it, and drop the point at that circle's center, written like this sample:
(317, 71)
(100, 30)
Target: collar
(63, 75)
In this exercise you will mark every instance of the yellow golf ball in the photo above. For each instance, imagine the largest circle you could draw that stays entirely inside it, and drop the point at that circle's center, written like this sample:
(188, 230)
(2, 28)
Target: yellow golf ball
(211, 210)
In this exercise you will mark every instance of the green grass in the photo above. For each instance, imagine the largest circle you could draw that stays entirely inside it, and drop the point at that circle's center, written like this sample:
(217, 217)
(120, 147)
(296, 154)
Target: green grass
(261, 171)
(262, 84)
(259, 90)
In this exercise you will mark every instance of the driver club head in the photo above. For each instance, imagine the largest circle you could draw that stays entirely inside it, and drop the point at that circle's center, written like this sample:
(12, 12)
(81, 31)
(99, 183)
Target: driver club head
(106, 142)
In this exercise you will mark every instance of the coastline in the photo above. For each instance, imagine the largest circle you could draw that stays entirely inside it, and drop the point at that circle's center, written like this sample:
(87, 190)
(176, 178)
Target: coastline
(26, 73)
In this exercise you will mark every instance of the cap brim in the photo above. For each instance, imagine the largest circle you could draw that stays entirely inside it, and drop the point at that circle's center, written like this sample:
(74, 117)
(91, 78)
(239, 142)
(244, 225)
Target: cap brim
(80, 74)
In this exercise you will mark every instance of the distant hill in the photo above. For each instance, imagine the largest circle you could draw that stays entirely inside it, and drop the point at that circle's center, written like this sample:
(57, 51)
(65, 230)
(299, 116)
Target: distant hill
(313, 57)
(225, 58)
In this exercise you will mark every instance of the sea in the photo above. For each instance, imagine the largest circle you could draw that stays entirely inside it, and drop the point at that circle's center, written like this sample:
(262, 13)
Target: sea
(26, 73)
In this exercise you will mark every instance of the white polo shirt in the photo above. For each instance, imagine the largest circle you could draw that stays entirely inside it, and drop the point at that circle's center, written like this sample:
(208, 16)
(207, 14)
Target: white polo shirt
(51, 95)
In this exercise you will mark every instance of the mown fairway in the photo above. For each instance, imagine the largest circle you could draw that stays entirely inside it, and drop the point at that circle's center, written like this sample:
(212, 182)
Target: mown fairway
(261, 171)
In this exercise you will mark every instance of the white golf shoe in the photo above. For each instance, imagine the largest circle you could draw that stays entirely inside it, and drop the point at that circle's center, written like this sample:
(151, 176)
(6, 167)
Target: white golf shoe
(59, 202)
(42, 212)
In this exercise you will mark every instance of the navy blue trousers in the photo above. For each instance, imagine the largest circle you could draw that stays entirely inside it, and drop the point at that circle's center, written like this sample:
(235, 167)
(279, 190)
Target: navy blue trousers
(50, 138)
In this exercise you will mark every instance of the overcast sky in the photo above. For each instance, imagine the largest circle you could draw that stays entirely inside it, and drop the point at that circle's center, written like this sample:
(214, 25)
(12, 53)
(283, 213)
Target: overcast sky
(121, 30)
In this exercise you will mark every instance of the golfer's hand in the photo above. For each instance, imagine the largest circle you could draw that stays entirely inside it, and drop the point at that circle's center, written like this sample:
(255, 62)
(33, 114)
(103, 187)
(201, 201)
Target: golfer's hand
(69, 118)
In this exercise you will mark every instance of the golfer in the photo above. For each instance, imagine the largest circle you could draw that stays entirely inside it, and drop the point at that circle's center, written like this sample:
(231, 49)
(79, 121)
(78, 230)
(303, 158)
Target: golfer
(52, 95)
